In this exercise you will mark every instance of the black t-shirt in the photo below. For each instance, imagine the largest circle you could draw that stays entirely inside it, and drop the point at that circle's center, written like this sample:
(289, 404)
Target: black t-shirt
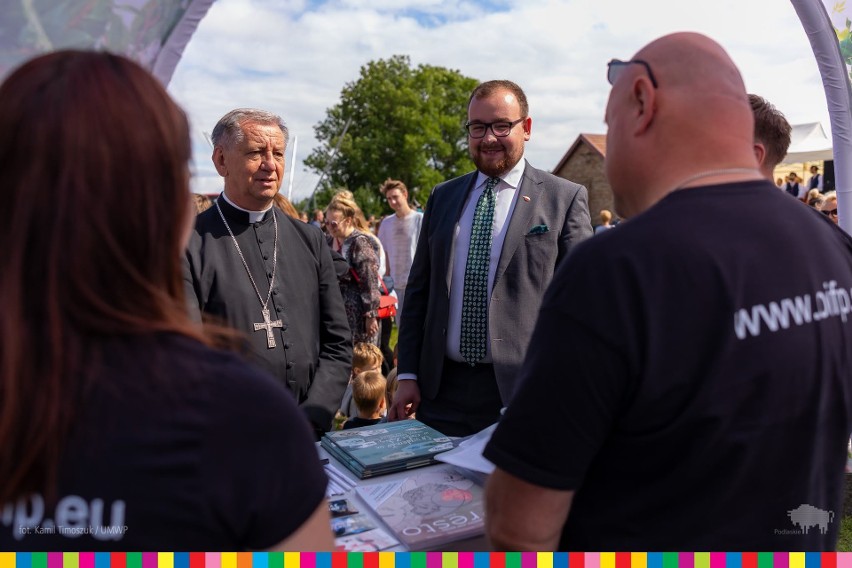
(689, 378)
(176, 447)
(357, 422)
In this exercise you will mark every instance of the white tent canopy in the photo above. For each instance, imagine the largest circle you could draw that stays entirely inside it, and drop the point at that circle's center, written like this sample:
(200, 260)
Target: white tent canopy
(808, 143)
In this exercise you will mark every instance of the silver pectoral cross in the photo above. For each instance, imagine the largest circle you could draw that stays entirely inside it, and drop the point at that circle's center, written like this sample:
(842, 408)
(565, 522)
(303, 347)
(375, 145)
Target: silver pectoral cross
(268, 325)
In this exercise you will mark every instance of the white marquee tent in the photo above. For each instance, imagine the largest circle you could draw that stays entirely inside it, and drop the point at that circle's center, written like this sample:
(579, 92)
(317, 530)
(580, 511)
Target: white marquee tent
(808, 144)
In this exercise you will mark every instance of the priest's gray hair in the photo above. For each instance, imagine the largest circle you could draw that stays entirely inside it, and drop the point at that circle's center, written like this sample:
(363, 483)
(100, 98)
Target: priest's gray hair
(228, 130)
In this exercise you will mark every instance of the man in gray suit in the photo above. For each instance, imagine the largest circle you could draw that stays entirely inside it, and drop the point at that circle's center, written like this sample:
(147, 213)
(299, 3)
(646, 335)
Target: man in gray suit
(489, 244)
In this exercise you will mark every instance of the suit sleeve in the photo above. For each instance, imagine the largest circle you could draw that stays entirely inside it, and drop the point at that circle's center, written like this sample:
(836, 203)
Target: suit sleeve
(335, 340)
(416, 298)
(578, 223)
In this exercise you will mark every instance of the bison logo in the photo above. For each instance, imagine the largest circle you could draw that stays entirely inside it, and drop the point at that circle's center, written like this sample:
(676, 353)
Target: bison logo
(807, 516)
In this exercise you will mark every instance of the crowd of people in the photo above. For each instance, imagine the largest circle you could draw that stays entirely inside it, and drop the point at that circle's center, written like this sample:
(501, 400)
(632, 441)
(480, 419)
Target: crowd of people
(795, 185)
(679, 381)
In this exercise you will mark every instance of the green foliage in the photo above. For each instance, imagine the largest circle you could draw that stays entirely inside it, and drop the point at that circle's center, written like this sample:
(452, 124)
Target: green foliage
(407, 124)
(394, 338)
(844, 38)
(844, 540)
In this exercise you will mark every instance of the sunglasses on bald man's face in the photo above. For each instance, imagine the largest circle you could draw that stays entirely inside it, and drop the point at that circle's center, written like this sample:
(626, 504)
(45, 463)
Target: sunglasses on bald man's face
(616, 66)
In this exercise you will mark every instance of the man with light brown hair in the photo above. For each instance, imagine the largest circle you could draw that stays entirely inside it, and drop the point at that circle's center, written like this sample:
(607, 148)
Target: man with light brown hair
(715, 413)
(399, 233)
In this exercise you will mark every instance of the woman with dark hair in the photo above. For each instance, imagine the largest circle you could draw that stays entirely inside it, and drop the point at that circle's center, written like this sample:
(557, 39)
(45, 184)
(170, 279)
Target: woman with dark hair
(122, 426)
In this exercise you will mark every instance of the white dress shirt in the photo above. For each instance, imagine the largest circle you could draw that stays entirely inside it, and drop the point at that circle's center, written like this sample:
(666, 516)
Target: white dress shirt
(819, 184)
(506, 194)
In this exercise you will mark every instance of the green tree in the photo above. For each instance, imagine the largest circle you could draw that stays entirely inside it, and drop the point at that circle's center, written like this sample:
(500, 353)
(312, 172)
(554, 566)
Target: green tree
(406, 123)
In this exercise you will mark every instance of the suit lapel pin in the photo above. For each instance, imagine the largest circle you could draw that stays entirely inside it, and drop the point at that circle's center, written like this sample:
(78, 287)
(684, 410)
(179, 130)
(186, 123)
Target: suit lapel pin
(526, 197)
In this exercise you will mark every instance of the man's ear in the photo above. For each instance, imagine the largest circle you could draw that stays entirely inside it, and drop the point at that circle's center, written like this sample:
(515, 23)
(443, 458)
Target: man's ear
(644, 96)
(219, 161)
(759, 153)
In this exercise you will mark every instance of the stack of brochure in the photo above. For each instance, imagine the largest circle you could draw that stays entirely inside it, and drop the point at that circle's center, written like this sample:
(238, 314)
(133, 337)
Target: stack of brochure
(386, 448)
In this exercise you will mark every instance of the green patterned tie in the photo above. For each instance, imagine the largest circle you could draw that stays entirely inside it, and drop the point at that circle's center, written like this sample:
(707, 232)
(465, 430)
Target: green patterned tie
(474, 321)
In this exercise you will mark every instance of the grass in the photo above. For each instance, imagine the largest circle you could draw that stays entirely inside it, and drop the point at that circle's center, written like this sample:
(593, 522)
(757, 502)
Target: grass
(844, 541)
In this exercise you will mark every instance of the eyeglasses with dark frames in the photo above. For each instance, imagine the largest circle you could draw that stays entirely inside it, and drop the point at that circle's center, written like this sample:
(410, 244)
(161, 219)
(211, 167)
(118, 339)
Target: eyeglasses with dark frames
(501, 128)
(615, 66)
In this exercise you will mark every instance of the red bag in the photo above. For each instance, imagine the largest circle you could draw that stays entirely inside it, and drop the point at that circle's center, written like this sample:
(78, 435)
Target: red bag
(387, 303)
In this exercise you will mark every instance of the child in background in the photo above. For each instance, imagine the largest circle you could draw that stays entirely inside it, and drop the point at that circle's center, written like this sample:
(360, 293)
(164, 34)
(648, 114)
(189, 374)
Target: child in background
(365, 357)
(369, 391)
(393, 383)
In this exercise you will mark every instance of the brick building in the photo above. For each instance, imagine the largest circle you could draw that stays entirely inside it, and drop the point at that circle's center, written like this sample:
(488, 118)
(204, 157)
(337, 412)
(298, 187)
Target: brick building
(583, 163)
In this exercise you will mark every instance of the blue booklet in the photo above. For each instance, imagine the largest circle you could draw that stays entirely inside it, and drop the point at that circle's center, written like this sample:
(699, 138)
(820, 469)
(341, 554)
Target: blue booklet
(386, 448)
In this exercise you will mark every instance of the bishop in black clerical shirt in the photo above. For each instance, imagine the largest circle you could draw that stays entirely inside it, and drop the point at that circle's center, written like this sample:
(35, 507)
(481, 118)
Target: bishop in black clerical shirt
(272, 277)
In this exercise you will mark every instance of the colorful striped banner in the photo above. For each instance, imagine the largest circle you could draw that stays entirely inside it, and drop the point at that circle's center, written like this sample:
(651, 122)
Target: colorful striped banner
(426, 560)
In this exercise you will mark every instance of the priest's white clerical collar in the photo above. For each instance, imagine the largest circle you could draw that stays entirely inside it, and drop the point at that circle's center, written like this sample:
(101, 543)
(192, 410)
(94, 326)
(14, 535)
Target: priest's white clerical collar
(254, 216)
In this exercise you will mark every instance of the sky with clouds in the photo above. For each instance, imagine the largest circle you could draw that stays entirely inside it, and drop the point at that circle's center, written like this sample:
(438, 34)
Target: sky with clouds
(294, 57)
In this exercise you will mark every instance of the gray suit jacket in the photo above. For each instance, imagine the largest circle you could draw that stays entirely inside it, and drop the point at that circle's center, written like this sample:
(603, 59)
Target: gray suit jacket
(526, 265)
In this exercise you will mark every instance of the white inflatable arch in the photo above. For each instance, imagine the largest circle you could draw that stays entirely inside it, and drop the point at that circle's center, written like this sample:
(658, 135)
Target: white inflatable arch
(152, 33)
(826, 23)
